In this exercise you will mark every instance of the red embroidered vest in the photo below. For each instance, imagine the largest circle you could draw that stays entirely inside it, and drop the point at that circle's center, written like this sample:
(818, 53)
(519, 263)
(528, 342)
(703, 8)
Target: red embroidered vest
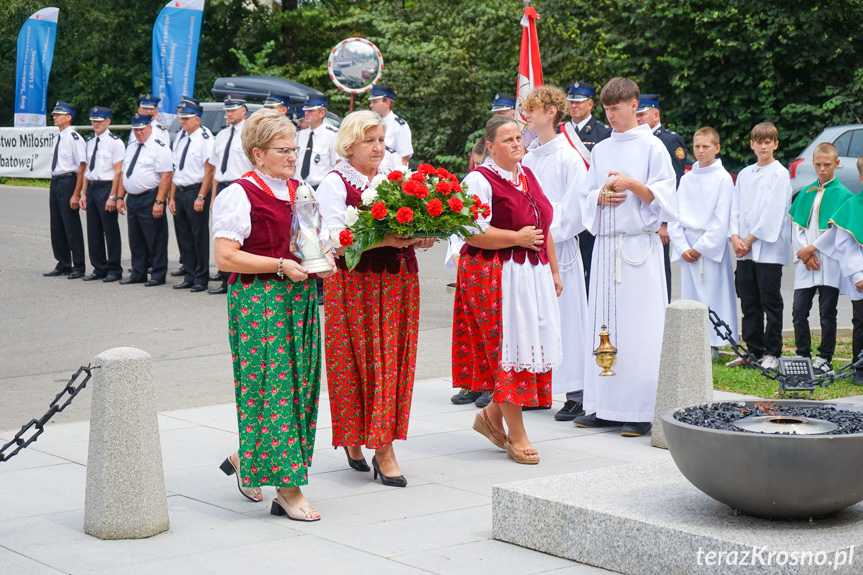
(378, 260)
(512, 210)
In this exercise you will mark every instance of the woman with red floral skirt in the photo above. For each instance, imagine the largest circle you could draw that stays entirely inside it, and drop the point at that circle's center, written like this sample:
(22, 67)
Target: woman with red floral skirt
(372, 313)
(273, 321)
(506, 322)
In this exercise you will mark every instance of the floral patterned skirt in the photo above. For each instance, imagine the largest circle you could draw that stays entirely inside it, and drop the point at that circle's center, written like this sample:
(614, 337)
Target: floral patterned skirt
(371, 342)
(275, 347)
(476, 339)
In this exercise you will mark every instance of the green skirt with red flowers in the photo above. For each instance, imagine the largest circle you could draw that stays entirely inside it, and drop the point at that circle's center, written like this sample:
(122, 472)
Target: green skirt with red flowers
(275, 347)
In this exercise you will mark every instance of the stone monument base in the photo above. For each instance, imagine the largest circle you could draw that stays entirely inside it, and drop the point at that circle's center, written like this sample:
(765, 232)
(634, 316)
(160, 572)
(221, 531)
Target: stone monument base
(646, 519)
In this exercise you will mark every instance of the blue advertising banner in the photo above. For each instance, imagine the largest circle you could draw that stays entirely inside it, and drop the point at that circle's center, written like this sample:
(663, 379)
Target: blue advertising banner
(175, 52)
(35, 55)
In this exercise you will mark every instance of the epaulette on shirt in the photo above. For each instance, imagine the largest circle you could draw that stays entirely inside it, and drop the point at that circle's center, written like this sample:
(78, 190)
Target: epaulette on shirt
(400, 120)
(162, 127)
(160, 142)
(75, 135)
(391, 150)
(333, 129)
(206, 133)
(90, 138)
(113, 135)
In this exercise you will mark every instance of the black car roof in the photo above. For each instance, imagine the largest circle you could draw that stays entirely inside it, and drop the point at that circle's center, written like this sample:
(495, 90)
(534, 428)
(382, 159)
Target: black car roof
(258, 87)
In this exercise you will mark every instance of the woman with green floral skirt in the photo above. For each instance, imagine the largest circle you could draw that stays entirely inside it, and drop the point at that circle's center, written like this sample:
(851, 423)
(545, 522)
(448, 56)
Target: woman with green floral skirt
(273, 321)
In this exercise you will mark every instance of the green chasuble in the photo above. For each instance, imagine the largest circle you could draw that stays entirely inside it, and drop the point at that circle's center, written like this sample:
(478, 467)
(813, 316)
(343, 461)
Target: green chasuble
(849, 217)
(835, 194)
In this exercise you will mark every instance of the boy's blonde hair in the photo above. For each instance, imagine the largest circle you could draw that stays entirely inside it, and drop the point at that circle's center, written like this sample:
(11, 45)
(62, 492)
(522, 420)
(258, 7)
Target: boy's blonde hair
(544, 97)
(707, 132)
(860, 165)
(765, 131)
(827, 149)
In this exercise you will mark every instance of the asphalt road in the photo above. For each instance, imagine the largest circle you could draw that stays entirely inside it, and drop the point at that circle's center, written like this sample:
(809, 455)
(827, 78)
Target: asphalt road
(51, 326)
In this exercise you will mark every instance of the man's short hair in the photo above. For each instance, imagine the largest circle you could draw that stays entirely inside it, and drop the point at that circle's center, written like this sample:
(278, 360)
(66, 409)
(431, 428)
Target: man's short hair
(764, 132)
(860, 165)
(827, 149)
(619, 90)
(544, 97)
(707, 132)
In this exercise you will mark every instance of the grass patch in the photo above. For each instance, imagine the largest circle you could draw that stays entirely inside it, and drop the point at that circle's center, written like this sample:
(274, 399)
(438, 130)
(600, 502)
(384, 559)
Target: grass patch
(27, 182)
(789, 348)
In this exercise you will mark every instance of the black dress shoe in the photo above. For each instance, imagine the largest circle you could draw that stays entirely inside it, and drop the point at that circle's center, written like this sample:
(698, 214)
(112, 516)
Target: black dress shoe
(571, 409)
(151, 283)
(221, 289)
(635, 429)
(216, 277)
(184, 285)
(858, 377)
(132, 280)
(179, 272)
(358, 464)
(56, 272)
(75, 275)
(198, 287)
(399, 481)
(112, 278)
(593, 421)
(93, 277)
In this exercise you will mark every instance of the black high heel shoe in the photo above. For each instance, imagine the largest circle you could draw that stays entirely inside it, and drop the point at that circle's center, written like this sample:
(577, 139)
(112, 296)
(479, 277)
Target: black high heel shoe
(358, 464)
(399, 481)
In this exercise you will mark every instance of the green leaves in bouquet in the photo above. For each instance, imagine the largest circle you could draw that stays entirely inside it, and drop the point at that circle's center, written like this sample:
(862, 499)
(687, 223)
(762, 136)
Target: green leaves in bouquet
(364, 238)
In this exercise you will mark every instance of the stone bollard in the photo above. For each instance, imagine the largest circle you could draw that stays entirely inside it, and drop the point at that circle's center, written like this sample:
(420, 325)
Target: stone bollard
(125, 481)
(685, 368)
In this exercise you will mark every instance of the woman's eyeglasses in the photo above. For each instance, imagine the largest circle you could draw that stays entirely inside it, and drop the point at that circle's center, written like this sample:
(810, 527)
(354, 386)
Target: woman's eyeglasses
(286, 151)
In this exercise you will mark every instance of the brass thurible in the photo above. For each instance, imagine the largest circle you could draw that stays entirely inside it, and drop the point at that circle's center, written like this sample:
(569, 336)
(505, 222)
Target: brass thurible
(606, 354)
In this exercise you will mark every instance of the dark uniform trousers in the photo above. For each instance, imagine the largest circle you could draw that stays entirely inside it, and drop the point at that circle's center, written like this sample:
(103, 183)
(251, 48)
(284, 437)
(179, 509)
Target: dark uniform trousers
(67, 235)
(148, 236)
(828, 298)
(758, 287)
(103, 228)
(857, 328)
(193, 233)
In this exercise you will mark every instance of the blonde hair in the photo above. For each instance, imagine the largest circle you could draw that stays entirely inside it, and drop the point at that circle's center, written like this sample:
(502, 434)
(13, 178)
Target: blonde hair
(263, 127)
(354, 128)
(545, 97)
(860, 165)
(827, 149)
(764, 132)
(707, 132)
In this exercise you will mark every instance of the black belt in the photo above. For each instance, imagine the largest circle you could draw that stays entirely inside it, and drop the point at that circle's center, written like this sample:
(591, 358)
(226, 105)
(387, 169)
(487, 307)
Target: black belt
(66, 175)
(187, 188)
(142, 193)
(101, 181)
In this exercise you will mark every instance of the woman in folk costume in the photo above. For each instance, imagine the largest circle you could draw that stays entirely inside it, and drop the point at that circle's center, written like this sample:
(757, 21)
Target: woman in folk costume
(562, 172)
(372, 313)
(506, 323)
(273, 321)
(699, 235)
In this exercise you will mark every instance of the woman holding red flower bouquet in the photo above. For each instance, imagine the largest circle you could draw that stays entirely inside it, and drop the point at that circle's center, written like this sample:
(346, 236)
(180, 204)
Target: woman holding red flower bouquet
(372, 312)
(506, 322)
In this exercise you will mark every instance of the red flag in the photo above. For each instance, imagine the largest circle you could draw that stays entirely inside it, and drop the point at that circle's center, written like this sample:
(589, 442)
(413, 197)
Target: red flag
(529, 66)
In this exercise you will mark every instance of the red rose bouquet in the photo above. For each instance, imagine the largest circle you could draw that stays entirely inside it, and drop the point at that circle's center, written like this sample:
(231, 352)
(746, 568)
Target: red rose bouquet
(427, 203)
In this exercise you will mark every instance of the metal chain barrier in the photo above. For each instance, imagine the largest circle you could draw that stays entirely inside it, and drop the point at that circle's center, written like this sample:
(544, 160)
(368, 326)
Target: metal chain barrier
(789, 385)
(37, 426)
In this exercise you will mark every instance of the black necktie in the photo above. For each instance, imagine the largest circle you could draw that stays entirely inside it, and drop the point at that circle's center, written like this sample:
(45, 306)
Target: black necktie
(93, 157)
(185, 151)
(134, 160)
(307, 159)
(227, 151)
(56, 152)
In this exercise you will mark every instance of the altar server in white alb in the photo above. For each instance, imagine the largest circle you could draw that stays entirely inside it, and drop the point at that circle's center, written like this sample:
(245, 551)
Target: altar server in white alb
(399, 148)
(632, 179)
(562, 174)
(316, 157)
(699, 236)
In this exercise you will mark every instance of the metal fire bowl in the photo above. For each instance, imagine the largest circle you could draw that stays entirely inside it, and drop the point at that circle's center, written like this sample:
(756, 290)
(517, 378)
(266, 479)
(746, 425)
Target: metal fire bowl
(768, 475)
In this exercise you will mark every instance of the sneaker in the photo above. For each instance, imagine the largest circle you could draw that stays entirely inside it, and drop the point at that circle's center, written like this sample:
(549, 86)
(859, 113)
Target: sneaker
(858, 377)
(593, 421)
(465, 396)
(739, 362)
(635, 429)
(822, 366)
(770, 362)
(571, 409)
(484, 399)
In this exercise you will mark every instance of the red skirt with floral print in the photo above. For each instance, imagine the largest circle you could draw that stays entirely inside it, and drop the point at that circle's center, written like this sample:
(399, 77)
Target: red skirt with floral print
(371, 346)
(476, 339)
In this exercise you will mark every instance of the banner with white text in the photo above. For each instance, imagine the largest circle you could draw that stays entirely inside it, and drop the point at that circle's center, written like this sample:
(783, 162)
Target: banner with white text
(175, 52)
(26, 152)
(35, 55)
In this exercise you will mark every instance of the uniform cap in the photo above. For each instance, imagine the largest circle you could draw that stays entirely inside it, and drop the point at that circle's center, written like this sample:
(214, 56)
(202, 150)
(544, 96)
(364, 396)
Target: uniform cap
(139, 121)
(234, 102)
(503, 102)
(64, 108)
(274, 100)
(190, 110)
(99, 113)
(646, 102)
(315, 102)
(149, 101)
(580, 91)
(382, 91)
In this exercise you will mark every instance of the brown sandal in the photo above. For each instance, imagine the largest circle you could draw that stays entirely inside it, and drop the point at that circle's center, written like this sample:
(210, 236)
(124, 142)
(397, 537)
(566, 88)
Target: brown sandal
(484, 428)
(520, 455)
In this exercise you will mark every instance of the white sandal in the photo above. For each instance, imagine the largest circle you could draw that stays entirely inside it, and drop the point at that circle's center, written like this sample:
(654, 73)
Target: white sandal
(281, 507)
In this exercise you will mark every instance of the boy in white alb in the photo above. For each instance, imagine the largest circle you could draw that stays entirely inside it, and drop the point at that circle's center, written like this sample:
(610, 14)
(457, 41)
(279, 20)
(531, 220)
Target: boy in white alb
(699, 236)
(760, 233)
(631, 177)
(815, 272)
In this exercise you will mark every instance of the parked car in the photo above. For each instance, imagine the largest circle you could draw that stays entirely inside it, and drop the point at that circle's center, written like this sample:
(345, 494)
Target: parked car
(848, 140)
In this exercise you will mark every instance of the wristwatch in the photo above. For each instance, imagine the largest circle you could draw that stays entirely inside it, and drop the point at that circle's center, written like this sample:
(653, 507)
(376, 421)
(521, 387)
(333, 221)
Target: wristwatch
(200, 197)
(113, 198)
(160, 203)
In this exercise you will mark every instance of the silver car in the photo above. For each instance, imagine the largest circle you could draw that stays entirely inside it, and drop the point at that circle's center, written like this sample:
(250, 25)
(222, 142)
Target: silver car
(848, 140)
